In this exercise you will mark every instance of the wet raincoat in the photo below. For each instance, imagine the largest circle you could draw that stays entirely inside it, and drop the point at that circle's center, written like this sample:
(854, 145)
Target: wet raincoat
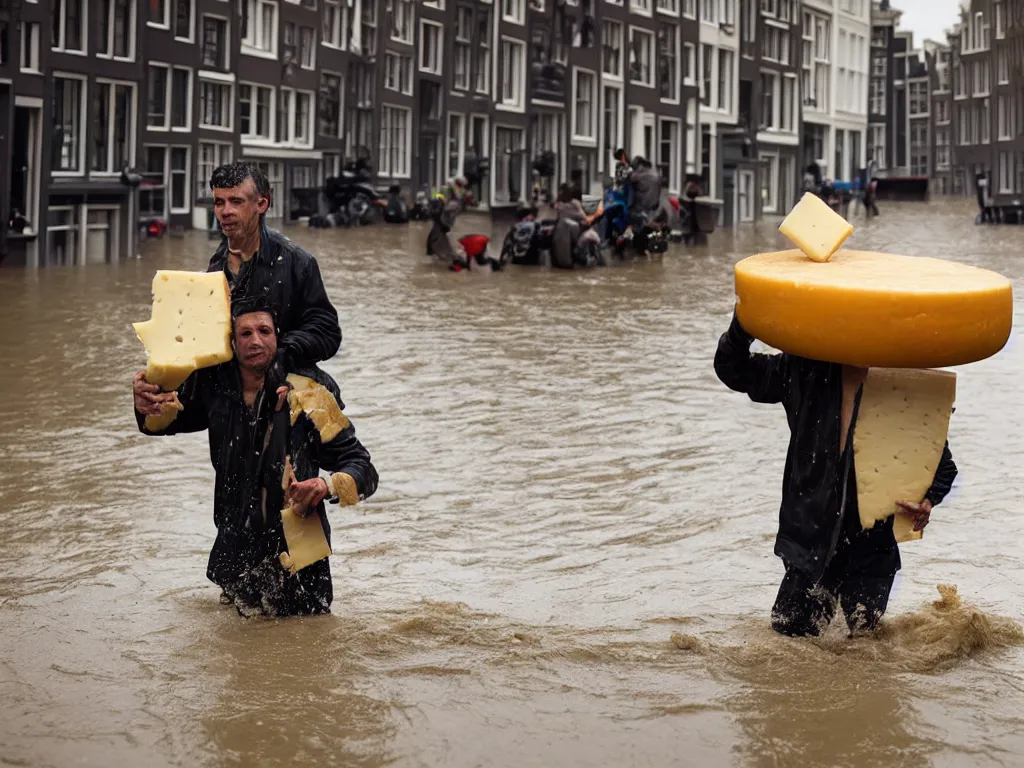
(288, 278)
(248, 448)
(813, 506)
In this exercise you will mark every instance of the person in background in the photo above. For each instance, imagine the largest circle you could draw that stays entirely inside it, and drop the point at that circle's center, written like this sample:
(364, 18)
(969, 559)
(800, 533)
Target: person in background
(829, 558)
(444, 211)
(569, 206)
(240, 403)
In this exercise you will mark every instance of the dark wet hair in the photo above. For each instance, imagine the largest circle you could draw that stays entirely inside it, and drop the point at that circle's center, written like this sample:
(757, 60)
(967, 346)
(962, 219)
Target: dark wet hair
(247, 305)
(231, 175)
(565, 192)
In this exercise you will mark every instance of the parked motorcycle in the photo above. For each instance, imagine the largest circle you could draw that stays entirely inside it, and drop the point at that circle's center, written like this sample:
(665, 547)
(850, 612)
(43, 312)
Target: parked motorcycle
(352, 193)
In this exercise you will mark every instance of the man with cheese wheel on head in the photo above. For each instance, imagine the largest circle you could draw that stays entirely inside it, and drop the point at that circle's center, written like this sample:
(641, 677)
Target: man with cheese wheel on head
(829, 558)
(253, 438)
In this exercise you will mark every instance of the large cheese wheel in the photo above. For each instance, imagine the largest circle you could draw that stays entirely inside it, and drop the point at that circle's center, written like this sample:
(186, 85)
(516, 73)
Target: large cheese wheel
(874, 309)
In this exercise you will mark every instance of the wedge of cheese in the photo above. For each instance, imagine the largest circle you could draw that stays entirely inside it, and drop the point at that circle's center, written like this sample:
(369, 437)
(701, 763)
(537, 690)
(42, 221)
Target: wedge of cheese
(190, 329)
(815, 228)
(874, 309)
(901, 430)
(304, 536)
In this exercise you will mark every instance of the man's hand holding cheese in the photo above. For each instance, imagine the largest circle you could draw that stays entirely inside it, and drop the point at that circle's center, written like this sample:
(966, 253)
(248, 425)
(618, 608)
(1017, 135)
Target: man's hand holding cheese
(868, 456)
(272, 545)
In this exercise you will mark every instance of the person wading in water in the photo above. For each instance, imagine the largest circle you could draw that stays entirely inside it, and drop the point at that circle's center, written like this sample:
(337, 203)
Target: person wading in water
(828, 557)
(261, 263)
(241, 403)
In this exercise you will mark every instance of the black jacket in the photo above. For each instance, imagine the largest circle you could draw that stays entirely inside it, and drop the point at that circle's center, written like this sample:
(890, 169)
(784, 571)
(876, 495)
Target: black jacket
(812, 511)
(289, 278)
(244, 560)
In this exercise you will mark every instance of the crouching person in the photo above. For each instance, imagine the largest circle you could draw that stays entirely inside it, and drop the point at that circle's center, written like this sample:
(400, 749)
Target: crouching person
(253, 435)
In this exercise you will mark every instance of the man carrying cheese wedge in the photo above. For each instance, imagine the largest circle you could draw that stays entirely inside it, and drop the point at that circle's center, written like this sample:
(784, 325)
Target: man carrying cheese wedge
(863, 337)
(258, 261)
(273, 537)
(828, 556)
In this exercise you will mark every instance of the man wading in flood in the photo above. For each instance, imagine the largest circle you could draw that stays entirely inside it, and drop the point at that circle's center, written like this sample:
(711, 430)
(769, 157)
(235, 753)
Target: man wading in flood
(828, 557)
(240, 403)
(260, 263)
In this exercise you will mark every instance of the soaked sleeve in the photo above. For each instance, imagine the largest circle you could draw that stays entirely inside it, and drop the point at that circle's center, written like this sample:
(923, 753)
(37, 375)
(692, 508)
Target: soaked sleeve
(762, 377)
(193, 396)
(344, 453)
(944, 477)
(317, 335)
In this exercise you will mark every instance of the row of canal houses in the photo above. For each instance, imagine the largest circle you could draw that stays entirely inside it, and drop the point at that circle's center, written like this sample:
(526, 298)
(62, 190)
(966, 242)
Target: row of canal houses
(743, 93)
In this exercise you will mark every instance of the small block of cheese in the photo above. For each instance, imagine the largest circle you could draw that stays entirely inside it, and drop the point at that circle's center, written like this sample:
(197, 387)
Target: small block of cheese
(815, 228)
(190, 328)
(898, 440)
(304, 536)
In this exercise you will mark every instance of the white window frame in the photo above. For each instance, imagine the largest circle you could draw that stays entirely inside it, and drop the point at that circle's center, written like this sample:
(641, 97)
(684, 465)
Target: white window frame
(438, 47)
(578, 138)
(61, 22)
(166, 23)
(226, 53)
(202, 182)
(607, 162)
(187, 127)
(132, 36)
(133, 124)
(254, 138)
(675, 166)
(341, 102)
(689, 54)
(338, 30)
(191, 22)
(249, 46)
(167, 96)
(623, 52)
(169, 170)
(384, 169)
(518, 11)
(399, 58)
(641, 7)
(877, 130)
(83, 122)
(771, 167)
(30, 32)
(220, 83)
(403, 6)
(652, 51)
(668, 7)
(689, 9)
(518, 104)
(730, 84)
(461, 143)
(75, 226)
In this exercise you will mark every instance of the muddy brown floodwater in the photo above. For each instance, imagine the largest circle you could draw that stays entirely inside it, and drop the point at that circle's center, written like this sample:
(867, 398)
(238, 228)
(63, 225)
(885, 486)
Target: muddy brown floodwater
(568, 563)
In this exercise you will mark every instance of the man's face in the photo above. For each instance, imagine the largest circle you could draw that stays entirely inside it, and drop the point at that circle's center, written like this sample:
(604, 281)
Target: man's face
(238, 209)
(255, 341)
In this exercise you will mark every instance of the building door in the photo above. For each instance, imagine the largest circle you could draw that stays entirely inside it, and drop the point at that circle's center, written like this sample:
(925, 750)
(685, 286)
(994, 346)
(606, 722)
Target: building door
(746, 196)
(24, 193)
(428, 161)
(100, 235)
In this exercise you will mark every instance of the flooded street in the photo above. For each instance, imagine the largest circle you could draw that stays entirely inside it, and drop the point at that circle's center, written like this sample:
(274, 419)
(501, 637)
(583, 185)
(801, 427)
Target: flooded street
(568, 562)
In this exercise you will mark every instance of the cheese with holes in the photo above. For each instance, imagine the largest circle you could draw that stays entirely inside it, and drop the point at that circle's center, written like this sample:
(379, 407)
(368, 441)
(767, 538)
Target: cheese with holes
(815, 228)
(304, 536)
(874, 309)
(898, 440)
(190, 329)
